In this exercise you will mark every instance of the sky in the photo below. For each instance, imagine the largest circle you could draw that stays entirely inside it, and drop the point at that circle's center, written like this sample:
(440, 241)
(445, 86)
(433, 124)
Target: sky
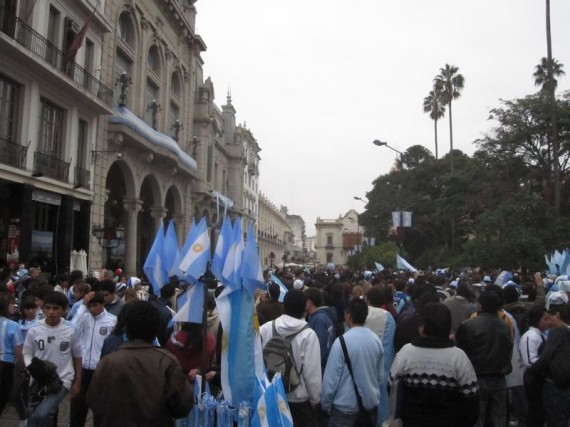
(316, 81)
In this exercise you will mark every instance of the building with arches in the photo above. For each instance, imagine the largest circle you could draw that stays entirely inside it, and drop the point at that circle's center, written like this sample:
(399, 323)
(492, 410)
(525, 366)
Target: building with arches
(107, 124)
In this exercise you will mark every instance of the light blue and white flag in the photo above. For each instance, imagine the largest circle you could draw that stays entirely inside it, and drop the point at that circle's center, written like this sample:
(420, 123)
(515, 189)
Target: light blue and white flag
(175, 270)
(191, 303)
(238, 373)
(222, 248)
(283, 288)
(169, 249)
(153, 265)
(195, 262)
(252, 274)
(231, 273)
(285, 417)
(406, 219)
(379, 267)
(402, 264)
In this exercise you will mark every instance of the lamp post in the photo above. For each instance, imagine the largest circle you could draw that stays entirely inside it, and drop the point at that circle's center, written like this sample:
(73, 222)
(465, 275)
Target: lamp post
(177, 127)
(123, 81)
(385, 144)
(154, 108)
(108, 237)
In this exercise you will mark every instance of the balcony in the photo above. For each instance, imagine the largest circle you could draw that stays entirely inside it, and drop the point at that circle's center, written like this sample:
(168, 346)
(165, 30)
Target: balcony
(41, 47)
(51, 166)
(82, 177)
(12, 154)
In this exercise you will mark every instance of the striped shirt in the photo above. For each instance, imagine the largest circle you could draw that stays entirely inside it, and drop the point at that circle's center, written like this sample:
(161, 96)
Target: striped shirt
(10, 338)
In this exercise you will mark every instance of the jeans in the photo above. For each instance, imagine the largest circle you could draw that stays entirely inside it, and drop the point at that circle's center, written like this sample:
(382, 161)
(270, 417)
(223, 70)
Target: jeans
(556, 408)
(79, 408)
(492, 401)
(340, 419)
(43, 415)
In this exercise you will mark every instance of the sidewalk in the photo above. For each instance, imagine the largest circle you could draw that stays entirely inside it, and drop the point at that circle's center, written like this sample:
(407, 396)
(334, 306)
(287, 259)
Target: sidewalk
(10, 417)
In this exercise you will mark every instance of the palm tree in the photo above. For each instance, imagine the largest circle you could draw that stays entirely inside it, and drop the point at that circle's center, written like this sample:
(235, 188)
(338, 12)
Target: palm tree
(541, 74)
(433, 105)
(450, 83)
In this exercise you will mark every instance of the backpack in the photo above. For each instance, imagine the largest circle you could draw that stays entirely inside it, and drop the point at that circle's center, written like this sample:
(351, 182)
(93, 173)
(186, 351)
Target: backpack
(278, 357)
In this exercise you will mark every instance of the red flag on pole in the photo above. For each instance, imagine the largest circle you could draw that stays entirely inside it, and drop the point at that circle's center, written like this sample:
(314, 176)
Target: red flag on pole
(77, 41)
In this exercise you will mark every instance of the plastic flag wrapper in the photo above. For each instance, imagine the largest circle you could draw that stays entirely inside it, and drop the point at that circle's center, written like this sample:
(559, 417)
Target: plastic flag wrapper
(208, 405)
(244, 414)
(225, 414)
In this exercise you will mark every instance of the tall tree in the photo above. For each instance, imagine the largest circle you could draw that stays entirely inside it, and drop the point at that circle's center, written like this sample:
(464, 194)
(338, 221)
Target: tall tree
(450, 83)
(541, 77)
(553, 125)
(433, 104)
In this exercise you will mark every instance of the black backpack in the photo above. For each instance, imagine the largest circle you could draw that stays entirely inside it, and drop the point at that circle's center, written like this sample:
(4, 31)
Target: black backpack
(278, 357)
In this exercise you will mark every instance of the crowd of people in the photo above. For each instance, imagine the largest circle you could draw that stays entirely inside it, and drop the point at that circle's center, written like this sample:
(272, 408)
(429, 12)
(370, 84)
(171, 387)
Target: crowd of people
(424, 349)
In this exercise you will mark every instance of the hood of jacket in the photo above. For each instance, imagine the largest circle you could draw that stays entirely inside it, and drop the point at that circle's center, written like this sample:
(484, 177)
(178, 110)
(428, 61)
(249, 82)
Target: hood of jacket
(287, 325)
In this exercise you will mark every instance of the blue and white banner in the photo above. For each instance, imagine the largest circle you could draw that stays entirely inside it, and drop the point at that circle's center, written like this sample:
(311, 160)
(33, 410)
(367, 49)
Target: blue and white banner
(402, 264)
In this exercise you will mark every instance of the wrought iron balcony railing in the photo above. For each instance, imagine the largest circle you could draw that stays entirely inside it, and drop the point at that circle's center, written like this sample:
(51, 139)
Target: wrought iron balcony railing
(82, 177)
(12, 154)
(47, 165)
(27, 37)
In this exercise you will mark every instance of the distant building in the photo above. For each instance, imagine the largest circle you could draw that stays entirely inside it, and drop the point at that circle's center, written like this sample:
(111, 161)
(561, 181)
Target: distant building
(337, 239)
(298, 251)
(274, 234)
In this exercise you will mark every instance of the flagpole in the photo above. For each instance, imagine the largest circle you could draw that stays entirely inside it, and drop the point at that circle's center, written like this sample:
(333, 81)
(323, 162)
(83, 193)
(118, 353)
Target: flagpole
(209, 281)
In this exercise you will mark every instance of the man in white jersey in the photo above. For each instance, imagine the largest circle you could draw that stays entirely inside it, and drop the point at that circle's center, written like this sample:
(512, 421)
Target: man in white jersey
(55, 340)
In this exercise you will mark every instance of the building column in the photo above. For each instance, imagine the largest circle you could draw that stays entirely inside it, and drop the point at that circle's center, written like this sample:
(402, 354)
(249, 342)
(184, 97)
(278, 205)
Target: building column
(132, 208)
(179, 226)
(158, 213)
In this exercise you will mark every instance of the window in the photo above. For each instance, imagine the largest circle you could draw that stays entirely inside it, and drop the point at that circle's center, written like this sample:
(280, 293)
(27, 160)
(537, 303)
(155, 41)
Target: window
(53, 36)
(123, 64)
(50, 135)
(175, 86)
(329, 239)
(89, 63)
(9, 100)
(173, 115)
(82, 142)
(150, 95)
(153, 60)
(126, 30)
(209, 165)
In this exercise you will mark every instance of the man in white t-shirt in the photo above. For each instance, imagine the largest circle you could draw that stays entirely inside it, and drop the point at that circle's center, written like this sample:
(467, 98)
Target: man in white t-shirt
(55, 340)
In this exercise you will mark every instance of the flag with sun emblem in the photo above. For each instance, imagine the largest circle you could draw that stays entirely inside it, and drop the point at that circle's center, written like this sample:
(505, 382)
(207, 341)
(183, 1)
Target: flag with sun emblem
(195, 261)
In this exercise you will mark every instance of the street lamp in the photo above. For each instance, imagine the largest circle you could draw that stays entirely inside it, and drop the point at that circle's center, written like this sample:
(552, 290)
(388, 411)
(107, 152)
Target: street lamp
(359, 198)
(104, 236)
(385, 144)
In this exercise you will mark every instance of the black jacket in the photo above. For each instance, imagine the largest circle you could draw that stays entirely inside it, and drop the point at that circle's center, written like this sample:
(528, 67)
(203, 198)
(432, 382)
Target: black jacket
(487, 342)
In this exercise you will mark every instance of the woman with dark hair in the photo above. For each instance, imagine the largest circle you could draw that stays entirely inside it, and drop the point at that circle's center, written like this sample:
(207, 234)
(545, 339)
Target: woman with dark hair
(187, 345)
(439, 382)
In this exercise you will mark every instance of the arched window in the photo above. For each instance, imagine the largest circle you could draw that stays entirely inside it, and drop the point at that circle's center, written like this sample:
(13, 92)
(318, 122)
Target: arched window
(125, 53)
(126, 30)
(153, 60)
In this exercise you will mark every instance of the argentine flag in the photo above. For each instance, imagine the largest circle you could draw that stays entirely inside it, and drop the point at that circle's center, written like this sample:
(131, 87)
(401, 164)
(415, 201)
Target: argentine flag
(195, 262)
(191, 302)
(402, 264)
(169, 249)
(252, 274)
(153, 264)
(222, 248)
(284, 289)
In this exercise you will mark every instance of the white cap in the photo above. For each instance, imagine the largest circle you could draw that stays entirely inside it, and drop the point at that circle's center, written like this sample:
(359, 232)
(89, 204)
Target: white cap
(298, 284)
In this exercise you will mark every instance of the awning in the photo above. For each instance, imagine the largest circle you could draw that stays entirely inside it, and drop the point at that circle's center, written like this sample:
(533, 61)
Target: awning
(46, 197)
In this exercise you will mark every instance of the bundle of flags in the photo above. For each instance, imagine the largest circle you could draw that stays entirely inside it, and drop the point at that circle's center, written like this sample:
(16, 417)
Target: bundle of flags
(558, 263)
(271, 408)
(236, 265)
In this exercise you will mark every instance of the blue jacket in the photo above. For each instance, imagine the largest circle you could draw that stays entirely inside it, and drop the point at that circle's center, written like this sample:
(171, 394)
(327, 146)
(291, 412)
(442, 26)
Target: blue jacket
(322, 322)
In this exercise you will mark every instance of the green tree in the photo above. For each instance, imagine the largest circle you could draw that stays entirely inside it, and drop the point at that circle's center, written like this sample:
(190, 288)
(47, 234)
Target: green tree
(541, 76)
(434, 105)
(415, 155)
(450, 83)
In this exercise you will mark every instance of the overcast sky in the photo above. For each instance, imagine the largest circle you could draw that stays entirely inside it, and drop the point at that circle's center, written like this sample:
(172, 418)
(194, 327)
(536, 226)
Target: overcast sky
(316, 81)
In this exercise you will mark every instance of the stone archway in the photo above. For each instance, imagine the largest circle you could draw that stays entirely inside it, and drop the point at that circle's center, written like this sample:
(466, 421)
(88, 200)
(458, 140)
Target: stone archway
(149, 217)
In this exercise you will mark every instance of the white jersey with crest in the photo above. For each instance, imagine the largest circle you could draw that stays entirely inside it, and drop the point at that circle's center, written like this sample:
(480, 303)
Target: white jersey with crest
(59, 344)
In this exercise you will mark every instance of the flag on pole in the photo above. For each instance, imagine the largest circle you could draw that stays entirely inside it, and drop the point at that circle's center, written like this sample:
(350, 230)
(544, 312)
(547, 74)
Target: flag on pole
(153, 264)
(379, 266)
(406, 219)
(238, 374)
(396, 219)
(402, 264)
(222, 248)
(175, 270)
(195, 261)
(169, 248)
(191, 303)
(78, 39)
(231, 273)
(252, 274)
(283, 288)
(285, 417)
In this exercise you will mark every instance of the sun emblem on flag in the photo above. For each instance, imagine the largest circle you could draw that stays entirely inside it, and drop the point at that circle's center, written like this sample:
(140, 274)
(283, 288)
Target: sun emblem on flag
(197, 247)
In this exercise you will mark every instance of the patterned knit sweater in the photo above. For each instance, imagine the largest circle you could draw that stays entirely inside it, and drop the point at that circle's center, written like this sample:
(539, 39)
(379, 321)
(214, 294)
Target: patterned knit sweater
(440, 385)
